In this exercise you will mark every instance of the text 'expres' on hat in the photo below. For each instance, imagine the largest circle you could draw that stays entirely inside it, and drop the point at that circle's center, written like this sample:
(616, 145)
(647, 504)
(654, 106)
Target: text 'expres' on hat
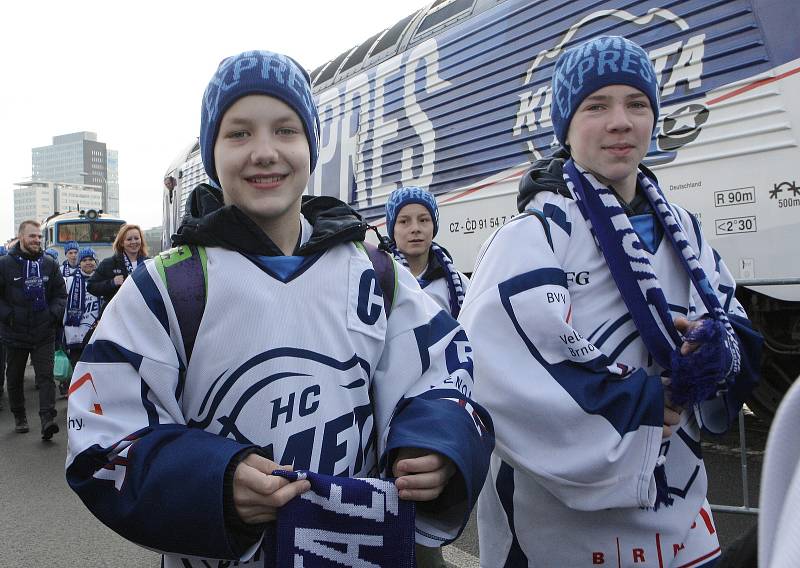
(592, 65)
(256, 73)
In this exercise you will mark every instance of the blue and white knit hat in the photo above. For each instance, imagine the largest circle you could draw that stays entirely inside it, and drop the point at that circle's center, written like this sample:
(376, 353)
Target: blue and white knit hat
(256, 73)
(70, 245)
(592, 65)
(87, 252)
(401, 197)
(52, 253)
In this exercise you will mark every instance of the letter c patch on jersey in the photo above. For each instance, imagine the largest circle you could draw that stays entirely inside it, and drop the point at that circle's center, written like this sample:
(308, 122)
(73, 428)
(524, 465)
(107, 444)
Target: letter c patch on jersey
(365, 311)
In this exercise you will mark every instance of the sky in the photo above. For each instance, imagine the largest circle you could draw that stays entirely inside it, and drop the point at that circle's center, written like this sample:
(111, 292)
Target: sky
(134, 73)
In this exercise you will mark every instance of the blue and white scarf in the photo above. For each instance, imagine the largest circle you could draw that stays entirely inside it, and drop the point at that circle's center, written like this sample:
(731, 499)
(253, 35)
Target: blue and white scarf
(694, 377)
(76, 300)
(343, 522)
(129, 264)
(68, 270)
(34, 283)
(455, 285)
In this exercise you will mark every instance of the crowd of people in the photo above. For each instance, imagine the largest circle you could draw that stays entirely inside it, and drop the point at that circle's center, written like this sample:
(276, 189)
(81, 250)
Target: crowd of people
(274, 353)
(46, 307)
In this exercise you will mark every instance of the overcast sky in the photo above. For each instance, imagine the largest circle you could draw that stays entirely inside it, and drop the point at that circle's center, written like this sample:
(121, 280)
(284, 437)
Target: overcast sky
(134, 73)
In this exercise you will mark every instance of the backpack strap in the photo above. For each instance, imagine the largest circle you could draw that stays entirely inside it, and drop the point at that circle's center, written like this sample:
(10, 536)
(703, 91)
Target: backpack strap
(184, 272)
(385, 270)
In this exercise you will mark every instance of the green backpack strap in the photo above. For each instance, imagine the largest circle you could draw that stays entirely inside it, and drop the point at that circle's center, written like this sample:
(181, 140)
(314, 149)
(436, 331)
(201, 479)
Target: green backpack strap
(385, 270)
(184, 272)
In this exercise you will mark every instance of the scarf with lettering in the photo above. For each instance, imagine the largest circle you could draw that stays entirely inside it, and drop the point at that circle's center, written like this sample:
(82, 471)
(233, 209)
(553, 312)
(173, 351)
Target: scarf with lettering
(455, 286)
(697, 376)
(76, 300)
(33, 286)
(128, 263)
(68, 270)
(343, 522)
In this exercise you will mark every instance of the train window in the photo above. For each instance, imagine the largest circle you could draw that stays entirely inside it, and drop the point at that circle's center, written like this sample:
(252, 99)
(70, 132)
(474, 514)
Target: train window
(359, 54)
(441, 11)
(88, 232)
(330, 71)
(316, 72)
(391, 37)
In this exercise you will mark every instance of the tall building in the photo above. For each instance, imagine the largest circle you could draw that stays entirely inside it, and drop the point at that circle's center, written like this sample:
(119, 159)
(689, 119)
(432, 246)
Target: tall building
(38, 199)
(79, 158)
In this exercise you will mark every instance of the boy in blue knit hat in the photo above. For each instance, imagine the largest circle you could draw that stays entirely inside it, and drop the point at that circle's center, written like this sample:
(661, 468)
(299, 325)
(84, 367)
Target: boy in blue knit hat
(412, 220)
(71, 263)
(83, 308)
(265, 342)
(606, 337)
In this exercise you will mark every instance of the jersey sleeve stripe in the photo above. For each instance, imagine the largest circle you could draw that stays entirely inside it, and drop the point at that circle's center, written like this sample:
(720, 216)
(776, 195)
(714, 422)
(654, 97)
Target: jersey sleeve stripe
(627, 405)
(431, 333)
(104, 351)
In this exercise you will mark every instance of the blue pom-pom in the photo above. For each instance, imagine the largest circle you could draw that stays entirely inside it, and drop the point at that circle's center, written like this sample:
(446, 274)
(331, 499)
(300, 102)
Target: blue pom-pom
(698, 376)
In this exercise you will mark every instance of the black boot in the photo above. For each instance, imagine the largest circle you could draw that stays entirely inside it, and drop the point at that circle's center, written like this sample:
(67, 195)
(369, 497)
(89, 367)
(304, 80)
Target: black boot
(49, 427)
(21, 422)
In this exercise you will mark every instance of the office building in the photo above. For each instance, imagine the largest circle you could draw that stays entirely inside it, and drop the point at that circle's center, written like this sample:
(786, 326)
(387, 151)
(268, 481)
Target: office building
(38, 199)
(79, 158)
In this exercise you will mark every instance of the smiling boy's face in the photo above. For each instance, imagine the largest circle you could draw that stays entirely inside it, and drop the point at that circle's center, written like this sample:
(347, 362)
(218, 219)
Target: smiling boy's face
(610, 133)
(263, 160)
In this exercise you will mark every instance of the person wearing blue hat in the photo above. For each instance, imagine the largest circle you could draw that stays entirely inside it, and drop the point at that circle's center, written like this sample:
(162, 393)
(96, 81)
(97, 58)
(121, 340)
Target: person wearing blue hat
(83, 308)
(70, 264)
(412, 221)
(265, 341)
(606, 336)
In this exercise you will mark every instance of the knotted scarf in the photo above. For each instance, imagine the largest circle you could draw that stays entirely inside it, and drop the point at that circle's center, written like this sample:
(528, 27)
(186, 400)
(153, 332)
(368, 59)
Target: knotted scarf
(34, 283)
(455, 286)
(694, 377)
(343, 522)
(718, 358)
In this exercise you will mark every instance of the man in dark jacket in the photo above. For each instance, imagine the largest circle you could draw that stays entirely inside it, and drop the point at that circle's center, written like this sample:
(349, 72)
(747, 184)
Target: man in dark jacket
(32, 301)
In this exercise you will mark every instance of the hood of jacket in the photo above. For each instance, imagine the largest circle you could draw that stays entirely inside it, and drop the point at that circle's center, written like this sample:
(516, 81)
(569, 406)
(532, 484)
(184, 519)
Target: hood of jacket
(209, 222)
(548, 175)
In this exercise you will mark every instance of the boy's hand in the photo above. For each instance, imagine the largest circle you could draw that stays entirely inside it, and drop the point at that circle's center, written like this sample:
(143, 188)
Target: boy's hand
(672, 413)
(684, 326)
(258, 495)
(118, 280)
(421, 474)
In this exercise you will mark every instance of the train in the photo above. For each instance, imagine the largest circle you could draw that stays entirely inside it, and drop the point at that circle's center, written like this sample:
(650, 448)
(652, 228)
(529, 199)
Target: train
(456, 97)
(89, 227)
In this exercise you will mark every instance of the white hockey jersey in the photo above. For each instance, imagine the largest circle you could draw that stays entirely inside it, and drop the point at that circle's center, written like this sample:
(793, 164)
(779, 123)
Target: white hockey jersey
(438, 290)
(578, 404)
(301, 362)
